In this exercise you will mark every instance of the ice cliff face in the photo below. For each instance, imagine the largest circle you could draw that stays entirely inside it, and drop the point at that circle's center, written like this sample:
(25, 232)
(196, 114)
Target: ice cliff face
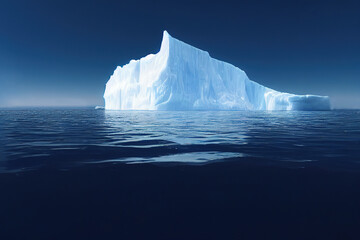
(182, 77)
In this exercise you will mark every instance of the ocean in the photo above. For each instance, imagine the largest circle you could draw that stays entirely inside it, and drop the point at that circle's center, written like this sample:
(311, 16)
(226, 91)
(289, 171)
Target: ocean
(80, 173)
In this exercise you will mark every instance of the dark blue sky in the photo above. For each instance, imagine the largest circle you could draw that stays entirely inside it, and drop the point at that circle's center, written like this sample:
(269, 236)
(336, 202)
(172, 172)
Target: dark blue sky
(63, 52)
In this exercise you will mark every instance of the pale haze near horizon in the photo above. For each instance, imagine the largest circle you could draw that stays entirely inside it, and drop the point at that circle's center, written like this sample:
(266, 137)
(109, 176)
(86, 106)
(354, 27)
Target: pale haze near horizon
(62, 54)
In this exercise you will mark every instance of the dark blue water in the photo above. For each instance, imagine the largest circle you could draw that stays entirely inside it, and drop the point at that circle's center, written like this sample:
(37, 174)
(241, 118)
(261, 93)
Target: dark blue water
(84, 173)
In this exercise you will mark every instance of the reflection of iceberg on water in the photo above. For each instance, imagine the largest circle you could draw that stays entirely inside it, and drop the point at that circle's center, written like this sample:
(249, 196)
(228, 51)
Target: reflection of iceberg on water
(182, 77)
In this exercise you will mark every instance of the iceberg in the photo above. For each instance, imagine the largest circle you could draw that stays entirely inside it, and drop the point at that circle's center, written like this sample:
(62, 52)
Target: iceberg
(99, 108)
(182, 77)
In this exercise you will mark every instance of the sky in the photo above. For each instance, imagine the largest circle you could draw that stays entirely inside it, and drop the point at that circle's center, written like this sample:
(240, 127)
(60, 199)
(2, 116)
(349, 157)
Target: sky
(61, 53)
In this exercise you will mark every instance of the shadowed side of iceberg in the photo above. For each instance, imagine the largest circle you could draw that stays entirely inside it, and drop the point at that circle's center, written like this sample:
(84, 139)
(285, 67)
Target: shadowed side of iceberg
(182, 77)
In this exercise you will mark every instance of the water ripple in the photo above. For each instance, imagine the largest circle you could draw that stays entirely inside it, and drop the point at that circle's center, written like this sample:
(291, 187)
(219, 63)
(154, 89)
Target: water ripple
(62, 138)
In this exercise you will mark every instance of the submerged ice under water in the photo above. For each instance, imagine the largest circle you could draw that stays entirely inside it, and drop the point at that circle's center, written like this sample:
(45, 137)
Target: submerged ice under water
(64, 138)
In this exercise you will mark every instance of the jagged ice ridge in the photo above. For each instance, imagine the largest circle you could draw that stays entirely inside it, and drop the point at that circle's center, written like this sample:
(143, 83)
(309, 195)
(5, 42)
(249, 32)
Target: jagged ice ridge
(182, 77)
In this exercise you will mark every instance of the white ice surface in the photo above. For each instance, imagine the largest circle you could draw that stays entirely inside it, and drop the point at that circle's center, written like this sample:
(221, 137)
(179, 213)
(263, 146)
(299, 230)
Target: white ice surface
(182, 77)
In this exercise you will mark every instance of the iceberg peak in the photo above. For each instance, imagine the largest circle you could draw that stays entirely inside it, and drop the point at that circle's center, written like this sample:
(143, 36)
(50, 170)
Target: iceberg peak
(165, 41)
(182, 77)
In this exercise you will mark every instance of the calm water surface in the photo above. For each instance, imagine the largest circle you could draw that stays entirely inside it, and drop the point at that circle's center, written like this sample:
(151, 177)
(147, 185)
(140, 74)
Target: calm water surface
(84, 173)
(64, 138)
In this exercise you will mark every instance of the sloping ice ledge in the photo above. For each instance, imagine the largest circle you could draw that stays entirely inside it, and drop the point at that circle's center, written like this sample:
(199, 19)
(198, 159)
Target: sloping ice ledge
(182, 77)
